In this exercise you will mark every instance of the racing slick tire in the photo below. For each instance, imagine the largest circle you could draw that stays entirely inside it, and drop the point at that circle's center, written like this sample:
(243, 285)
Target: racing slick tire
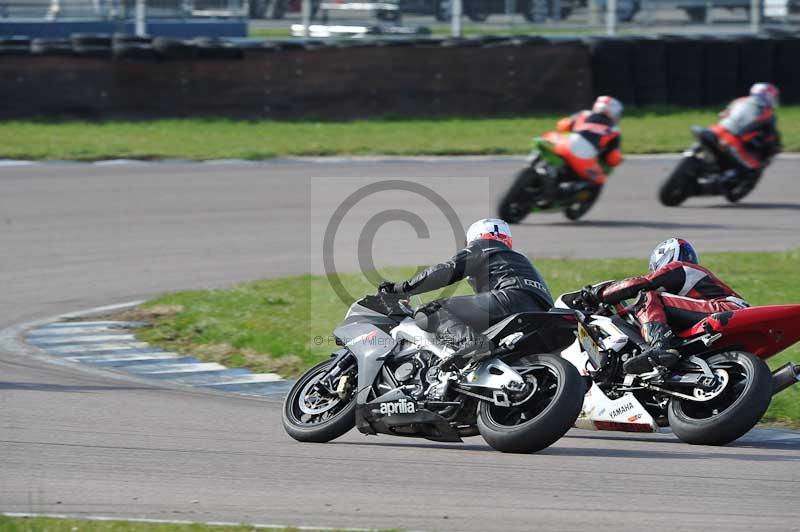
(744, 400)
(334, 418)
(515, 205)
(738, 192)
(678, 187)
(575, 210)
(544, 417)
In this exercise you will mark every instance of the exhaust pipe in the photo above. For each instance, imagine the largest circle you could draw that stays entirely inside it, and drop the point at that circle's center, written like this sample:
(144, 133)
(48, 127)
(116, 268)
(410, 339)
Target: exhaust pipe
(784, 377)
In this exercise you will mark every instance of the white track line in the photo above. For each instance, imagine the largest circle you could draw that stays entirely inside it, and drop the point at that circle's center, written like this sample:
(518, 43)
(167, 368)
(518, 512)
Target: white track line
(143, 357)
(80, 339)
(131, 347)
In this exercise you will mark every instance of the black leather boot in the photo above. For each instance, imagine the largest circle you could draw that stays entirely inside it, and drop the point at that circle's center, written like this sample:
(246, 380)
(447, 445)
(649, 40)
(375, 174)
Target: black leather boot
(660, 353)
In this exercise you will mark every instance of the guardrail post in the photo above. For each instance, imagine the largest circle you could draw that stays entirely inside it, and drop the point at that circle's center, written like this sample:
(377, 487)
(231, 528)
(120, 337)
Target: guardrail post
(755, 16)
(306, 14)
(594, 13)
(458, 10)
(141, 14)
(53, 10)
(611, 17)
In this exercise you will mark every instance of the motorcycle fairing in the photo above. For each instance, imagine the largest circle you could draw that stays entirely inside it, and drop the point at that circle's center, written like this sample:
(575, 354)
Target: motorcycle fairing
(764, 331)
(369, 345)
(599, 412)
(543, 332)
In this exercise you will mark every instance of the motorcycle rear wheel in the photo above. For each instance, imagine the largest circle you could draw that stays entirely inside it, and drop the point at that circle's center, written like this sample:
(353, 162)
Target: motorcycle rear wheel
(575, 210)
(320, 419)
(515, 205)
(733, 412)
(678, 187)
(541, 420)
(738, 192)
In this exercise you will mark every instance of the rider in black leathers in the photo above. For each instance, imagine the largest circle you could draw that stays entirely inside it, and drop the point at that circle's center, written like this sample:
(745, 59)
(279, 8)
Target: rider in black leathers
(505, 283)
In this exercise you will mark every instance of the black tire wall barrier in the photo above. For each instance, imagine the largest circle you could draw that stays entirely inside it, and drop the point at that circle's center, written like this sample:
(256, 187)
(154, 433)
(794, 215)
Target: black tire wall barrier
(693, 71)
(786, 68)
(312, 79)
(104, 76)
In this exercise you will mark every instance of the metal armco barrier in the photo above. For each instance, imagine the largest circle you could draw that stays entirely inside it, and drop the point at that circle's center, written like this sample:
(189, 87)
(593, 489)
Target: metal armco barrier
(338, 82)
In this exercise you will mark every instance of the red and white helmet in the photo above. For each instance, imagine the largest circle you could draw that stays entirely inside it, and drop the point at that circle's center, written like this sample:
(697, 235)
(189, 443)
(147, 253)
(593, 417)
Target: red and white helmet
(766, 92)
(489, 229)
(609, 106)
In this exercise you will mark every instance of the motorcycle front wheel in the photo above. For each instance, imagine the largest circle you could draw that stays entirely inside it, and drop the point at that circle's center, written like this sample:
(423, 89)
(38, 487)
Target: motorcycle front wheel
(733, 410)
(679, 186)
(311, 414)
(517, 202)
(539, 420)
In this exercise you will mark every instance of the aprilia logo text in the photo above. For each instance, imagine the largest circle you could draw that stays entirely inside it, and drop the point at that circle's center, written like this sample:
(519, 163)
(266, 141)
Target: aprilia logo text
(400, 407)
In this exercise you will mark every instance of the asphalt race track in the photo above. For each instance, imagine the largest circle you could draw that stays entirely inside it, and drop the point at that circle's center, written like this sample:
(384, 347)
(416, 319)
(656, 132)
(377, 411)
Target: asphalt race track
(76, 236)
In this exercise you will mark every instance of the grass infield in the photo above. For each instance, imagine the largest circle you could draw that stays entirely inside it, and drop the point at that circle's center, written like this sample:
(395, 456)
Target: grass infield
(51, 524)
(649, 130)
(285, 325)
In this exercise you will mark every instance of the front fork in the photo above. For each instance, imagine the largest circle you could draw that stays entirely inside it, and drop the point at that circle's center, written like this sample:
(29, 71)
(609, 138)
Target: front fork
(342, 361)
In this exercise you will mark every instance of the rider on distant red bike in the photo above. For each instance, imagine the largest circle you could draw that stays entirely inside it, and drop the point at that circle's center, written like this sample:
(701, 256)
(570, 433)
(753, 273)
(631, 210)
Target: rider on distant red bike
(748, 131)
(677, 292)
(588, 138)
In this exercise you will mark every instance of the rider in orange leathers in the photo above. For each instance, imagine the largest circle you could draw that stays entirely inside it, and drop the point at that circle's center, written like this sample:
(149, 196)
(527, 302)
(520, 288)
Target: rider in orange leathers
(588, 139)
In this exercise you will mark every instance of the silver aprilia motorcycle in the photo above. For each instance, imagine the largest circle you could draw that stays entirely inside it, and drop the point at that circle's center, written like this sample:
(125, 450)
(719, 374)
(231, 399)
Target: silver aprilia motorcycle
(386, 379)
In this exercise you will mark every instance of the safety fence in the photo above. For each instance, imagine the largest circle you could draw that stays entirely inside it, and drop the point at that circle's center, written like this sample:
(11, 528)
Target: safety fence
(132, 77)
(120, 9)
(586, 17)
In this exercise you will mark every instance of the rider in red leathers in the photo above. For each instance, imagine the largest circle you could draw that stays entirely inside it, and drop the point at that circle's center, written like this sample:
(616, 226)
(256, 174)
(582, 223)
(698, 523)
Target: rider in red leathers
(676, 293)
(747, 129)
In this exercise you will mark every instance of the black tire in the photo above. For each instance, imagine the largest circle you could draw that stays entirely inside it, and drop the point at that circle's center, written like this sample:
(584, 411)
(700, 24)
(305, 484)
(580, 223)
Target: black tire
(51, 47)
(277, 9)
(696, 14)
(258, 8)
(536, 11)
(749, 397)
(577, 209)
(442, 10)
(477, 10)
(738, 192)
(515, 205)
(175, 48)
(680, 184)
(341, 421)
(555, 407)
(388, 16)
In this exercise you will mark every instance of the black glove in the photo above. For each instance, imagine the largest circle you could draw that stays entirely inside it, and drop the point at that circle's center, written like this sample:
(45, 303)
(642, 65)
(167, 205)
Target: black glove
(591, 295)
(388, 287)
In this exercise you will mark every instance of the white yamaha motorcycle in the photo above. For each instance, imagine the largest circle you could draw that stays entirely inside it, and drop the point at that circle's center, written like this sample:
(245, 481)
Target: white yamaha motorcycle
(718, 391)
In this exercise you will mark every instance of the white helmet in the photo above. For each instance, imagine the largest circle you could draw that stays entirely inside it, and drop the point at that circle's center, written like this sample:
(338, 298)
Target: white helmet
(671, 250)
(609, 106)
(766, 92)
(489, 229)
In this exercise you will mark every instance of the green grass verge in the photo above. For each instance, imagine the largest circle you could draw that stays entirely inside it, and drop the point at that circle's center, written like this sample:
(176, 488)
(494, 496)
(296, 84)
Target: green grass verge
(651, 130)
(443, 30)
(277, 324)
(50, 524)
